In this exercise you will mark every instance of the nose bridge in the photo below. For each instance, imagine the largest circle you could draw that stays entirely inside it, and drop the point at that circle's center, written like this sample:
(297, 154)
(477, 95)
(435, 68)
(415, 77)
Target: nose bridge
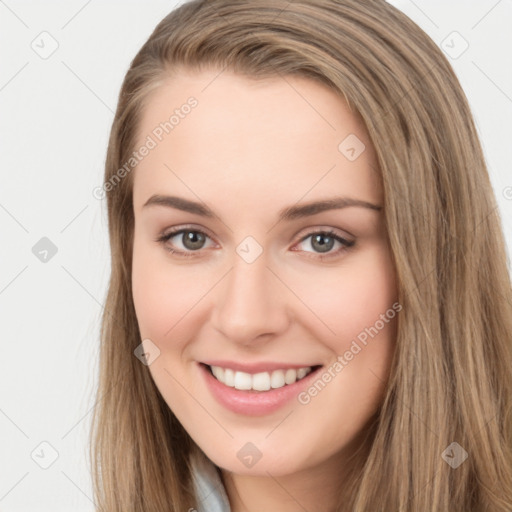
(249, 302)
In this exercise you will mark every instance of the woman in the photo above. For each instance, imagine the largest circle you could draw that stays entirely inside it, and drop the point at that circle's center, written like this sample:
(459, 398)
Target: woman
(309, 306)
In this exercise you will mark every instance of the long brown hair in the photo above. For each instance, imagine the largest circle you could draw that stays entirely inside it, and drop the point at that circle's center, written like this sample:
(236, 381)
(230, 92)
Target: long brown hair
(451, 377)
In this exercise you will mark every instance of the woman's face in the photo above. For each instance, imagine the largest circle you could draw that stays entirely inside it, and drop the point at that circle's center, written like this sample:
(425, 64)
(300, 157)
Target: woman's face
(261, 284)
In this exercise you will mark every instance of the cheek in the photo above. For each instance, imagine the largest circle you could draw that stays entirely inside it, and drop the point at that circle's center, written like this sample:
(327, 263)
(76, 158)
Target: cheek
(167, 295)
(356, 302)
(164, 296)
(150, 299)
(350, 299)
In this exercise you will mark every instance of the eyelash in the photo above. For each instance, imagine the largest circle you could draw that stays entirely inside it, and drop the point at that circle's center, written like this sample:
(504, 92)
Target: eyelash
(191, 254)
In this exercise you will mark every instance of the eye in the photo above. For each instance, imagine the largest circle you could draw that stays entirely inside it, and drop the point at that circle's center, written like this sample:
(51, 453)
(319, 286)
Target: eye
(192, 241)
(324, 241)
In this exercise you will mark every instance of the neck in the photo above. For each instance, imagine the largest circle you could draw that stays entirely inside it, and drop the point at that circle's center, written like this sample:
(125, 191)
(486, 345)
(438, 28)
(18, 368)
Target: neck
(320, 487)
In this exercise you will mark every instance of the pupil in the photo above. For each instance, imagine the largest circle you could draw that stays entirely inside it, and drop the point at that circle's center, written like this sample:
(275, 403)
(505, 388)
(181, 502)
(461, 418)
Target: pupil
(193, 240)
(323, 247)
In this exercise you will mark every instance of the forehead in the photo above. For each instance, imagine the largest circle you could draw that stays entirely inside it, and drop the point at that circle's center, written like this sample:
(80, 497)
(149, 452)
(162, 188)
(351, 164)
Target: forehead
(256, 142)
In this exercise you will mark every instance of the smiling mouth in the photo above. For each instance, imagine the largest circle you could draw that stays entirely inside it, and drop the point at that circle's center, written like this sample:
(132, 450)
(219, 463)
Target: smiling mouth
(262, 381)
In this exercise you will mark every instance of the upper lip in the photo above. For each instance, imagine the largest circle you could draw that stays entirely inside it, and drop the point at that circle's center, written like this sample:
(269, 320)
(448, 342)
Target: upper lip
(256, 367)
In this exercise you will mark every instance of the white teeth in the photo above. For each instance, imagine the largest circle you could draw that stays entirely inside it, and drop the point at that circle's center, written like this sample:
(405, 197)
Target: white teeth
(302, 372)
(243, 380)
(262, 381)
(290, 376)
(218, 372)
(277, 379)
(229, 377)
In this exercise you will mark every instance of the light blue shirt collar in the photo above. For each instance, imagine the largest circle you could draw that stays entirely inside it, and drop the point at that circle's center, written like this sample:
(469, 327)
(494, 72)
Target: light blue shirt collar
(209, 489)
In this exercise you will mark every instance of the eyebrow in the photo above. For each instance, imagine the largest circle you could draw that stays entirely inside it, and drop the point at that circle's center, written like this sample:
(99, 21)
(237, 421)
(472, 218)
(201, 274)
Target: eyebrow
(286, 214)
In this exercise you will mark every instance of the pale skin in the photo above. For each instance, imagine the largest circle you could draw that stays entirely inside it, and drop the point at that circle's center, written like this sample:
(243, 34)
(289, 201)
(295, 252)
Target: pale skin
(248, 150)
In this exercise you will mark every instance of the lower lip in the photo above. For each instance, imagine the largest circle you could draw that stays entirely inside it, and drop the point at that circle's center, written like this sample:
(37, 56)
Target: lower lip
(254, 403)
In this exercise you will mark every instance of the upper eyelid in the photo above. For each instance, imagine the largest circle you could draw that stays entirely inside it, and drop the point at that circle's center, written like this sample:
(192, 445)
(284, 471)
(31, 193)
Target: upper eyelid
(306, 232)
(179, 230)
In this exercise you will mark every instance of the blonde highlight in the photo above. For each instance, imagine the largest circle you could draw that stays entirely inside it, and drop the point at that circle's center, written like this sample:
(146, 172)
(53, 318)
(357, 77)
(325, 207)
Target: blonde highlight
(450, 379)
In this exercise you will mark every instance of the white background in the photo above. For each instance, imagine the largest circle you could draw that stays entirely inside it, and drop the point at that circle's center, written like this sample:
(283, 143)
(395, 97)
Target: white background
(55, 119)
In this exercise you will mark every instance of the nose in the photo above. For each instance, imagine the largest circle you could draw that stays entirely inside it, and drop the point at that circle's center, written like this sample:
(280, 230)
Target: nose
(251, 304)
